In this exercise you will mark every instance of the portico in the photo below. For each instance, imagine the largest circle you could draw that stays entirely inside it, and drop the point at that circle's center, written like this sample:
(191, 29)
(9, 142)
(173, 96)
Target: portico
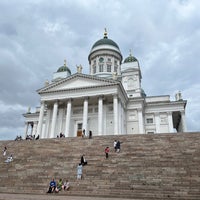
(82, 111)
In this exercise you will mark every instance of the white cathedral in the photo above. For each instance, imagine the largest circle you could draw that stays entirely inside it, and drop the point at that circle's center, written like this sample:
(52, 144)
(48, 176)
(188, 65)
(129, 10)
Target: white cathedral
(108, 101)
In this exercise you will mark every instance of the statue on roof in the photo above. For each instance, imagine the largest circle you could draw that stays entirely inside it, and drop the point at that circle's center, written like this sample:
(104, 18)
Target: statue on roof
(79, 68)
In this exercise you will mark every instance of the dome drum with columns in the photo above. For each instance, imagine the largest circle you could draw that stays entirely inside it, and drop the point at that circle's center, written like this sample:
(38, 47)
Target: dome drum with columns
(109, 100)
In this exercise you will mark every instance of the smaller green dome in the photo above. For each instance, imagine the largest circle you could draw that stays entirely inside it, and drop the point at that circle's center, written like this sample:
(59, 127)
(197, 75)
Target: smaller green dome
(130, 58)
(64, 68)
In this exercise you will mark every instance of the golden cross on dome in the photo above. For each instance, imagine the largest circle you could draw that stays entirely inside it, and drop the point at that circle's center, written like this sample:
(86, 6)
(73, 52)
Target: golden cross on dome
(105, 33)
(65, 63)
(130, 52)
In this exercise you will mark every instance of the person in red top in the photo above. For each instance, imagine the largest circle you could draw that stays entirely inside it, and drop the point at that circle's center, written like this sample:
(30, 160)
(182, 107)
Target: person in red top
(107, 151)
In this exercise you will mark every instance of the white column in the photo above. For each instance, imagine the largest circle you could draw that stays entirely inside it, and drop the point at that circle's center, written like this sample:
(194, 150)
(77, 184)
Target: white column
(26, 129)
(170, 122)
(85, 115)
(41, 116)
(68, 117)
(100, 116)
(157, 121)
(123, 120)
(47, 131)
(183, 121)
(141, 121)
(120, 117)
(54, 118)
(105, 132)
(115, 114)
(43, 130)
(34, 128)
(59, 123)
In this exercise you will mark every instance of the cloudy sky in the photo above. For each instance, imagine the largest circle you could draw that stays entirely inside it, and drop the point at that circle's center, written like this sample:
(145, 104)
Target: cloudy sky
(37, 35)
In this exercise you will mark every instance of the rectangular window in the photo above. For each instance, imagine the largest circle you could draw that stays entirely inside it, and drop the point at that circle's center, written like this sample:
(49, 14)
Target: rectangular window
(109, 59)
(149, 120)
(108, 68)
(100, 68)
(80, 126)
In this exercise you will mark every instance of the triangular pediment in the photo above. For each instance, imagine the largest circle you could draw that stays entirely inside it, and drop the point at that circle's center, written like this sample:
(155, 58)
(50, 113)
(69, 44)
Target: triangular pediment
(77, 81)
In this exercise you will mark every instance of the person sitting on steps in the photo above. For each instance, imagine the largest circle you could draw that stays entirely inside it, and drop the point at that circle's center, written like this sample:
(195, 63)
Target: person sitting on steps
(52, 186)
(9, 159)
(59, 185)
(66, 185)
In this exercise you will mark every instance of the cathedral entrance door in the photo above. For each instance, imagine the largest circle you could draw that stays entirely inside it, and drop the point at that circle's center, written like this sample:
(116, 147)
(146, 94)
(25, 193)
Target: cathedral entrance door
(79, 129)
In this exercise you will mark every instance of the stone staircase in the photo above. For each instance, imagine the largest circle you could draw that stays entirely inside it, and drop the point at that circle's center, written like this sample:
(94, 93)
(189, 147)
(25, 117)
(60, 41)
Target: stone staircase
(153, 166)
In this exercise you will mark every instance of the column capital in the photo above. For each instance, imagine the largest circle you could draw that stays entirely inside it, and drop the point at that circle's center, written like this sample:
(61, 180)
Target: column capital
(115, 96)
(56, 101)
(101, 96)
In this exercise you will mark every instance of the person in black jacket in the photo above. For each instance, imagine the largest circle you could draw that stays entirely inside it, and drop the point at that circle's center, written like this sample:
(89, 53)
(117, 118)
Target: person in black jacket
(83, 160)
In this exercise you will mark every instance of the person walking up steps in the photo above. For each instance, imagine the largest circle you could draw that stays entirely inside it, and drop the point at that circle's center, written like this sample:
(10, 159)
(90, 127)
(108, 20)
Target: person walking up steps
(107, 151)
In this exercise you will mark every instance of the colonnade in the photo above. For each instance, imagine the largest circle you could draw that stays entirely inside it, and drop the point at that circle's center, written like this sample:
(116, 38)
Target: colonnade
(118, 114)
(119, 119)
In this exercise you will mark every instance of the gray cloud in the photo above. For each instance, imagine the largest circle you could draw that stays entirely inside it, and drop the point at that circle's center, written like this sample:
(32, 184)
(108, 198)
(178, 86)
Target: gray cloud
(36, 36)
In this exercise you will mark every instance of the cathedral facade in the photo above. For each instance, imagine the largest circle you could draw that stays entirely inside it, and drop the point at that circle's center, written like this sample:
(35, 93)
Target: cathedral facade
(108, 101)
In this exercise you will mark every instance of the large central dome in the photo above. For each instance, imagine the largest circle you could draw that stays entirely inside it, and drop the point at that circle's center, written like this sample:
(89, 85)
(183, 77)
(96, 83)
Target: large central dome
(105, 41)
(105, 58)
(105, 44)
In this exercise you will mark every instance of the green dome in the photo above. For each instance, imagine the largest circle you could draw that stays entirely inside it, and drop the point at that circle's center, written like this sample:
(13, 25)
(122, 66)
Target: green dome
(130, 58)
(105, 41)
(64, 69)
